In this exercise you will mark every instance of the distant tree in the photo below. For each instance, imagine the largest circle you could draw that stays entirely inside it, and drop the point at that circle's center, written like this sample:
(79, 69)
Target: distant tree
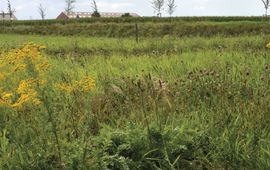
(11, 10)
(171, 7)
(95, 9)
(266, 4)
(158, 6)
(126, 15)
(41, 11)
(69, 6)
(95, 14)
(94, 6)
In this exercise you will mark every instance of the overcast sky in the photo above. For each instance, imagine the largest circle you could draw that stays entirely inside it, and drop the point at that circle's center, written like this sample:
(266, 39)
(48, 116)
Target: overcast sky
(27, 9)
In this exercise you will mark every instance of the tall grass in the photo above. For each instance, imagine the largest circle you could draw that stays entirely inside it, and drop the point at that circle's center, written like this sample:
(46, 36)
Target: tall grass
(205, 107)
(80, 46)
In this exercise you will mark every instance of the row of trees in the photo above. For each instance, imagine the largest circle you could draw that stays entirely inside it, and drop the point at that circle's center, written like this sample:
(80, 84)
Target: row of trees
(158, 6)
(11, 10)
(70, 7)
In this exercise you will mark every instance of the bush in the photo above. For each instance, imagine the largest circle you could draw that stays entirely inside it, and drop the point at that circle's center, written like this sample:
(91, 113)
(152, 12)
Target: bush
(136, 148)
(95, 14)
(126, 15)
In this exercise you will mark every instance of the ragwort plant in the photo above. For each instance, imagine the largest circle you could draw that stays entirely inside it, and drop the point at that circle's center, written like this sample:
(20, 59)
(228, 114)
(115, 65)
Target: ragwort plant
(35, 131)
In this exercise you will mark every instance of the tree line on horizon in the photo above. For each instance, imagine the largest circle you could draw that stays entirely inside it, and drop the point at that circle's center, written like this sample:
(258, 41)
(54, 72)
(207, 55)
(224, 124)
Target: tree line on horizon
(157, 5)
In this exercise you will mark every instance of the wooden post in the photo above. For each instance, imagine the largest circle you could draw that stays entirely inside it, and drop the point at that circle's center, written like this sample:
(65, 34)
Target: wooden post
(137, 32)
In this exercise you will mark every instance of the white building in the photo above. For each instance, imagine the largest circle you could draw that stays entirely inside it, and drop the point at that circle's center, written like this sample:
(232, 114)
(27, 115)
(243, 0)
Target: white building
(7, 16)
(73, 15)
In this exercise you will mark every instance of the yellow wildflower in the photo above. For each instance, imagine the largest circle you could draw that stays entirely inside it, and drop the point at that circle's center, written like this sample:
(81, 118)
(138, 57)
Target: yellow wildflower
(42, 47)
(27, 98)
(2, 76)
(7, 96)
(36, 101)
(19, 67)
(23, 86)
(5, 99)
(28, 95)
(65, 87)
(21, 101)
(268, 45)
(26, 69)
(86, 84)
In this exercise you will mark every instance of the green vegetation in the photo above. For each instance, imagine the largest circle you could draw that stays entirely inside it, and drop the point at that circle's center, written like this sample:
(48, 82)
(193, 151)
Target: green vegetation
(163, 103)
(148, 27)
(137, 19)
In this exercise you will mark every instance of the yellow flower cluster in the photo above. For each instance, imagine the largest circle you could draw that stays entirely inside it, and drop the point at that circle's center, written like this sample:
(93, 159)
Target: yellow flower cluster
(28, 95)
(85, 85)
(23, 75)
(28, 58)
(22, 71)
(268, 45)
(5, 98)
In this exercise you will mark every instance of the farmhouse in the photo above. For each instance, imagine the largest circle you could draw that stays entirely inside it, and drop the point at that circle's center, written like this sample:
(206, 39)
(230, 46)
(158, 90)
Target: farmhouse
(7, 16)
(73, 15)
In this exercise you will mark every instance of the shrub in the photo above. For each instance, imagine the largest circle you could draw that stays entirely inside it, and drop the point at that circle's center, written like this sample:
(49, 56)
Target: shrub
(126, 15)
(95, 14)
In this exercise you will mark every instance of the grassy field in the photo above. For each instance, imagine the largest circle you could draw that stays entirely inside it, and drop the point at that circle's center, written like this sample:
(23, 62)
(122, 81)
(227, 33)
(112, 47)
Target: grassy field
(111, 103)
